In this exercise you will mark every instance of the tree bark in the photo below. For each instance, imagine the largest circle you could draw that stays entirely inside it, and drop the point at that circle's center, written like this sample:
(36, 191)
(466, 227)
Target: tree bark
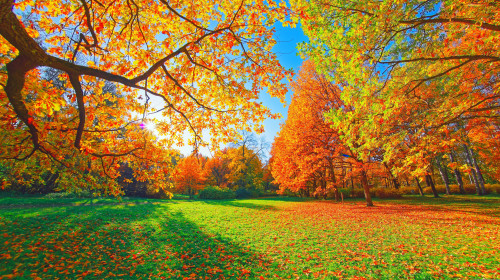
(458, 176)
(478, 171)
(430, 183)
(366, 188)
(479, 191)
(393, 178)
(444, 175)
(420, 190)
(334, 181)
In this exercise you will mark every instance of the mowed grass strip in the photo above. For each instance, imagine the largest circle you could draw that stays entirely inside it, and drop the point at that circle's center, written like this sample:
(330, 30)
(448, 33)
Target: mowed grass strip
(412, 238)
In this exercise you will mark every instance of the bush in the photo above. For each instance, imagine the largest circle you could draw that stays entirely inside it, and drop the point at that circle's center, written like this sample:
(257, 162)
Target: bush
(387, 193)
(267, 193)
(454, 189)
(345, 192)
(243, 193)
(158, 193)
(82, 194)
(492, 188)
(408, 190)
(357, 193)
(214, 192)
(439, 189)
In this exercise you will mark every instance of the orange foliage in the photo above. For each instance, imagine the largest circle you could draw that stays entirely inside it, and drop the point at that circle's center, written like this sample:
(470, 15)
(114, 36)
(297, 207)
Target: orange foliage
(111, 68)
(217, 170)
(307, 151)
(189, 175)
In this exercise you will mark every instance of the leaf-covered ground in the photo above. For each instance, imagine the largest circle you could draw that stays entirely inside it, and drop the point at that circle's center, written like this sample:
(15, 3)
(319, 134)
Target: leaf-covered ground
(454, 237)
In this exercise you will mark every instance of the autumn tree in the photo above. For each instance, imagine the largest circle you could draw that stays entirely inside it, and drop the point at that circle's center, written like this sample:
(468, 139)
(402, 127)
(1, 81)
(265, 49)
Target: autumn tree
(245, 168)
(177, 65)
(412, 71)
(308, 152)
(218, 170)
(246, 153)
(189, 176)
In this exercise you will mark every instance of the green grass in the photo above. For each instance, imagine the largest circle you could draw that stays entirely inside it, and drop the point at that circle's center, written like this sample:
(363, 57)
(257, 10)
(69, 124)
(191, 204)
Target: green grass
(412, 238)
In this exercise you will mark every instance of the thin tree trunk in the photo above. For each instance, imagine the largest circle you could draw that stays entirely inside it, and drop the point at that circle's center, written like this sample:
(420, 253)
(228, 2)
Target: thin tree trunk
(430, 183)
(352, 181)
(315, 186)
(470, 178)
(334, 181)
(393, 179)
(478, 171)
(323, 187)
(458, 176)
(479, 191)
(444, 175)
(366, 188)
(420, 190)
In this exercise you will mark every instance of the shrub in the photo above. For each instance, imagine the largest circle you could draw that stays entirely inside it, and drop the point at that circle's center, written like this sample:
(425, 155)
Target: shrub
(345, 192)
(454, 189)
(439, 189)
(408, 190)
(492, 188)
(469, 189)
(82, 194)
(158, 193)
(243, 193)
(214, 192)
(387, 193)
(357, 193)
(267, 193)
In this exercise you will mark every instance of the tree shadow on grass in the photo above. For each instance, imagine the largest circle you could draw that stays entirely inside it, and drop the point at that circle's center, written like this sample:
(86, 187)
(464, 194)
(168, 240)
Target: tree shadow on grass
(118, 241)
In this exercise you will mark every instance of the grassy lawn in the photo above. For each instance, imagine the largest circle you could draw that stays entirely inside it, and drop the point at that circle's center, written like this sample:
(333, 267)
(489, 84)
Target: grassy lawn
(415, 238)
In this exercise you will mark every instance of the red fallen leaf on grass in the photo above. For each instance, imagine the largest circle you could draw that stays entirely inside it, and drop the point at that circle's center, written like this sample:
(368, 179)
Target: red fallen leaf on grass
(6, 256)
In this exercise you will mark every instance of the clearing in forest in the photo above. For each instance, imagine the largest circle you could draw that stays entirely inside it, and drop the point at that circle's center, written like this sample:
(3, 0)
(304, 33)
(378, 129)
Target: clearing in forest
(276, 238)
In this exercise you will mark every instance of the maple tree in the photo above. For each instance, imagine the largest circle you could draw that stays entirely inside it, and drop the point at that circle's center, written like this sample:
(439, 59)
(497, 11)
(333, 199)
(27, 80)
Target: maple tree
(308, 152)
(245, 168)
(189, 175)
(413, 72)
(117, 67)
(217, 169)
(244, 155)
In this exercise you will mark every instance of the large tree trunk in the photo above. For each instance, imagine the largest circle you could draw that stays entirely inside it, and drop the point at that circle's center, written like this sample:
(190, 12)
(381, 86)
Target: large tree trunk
(430, 183)
(366, 188)
(420, 190)
(479, 191)
(444, 175)
(458, 176)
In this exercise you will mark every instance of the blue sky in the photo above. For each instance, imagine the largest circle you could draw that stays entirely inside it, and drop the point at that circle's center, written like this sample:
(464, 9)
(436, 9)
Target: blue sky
(286, 49)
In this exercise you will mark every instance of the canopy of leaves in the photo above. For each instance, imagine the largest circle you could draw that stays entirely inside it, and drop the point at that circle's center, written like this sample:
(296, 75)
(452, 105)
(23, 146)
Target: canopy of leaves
(82, 78)
(417, 74)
